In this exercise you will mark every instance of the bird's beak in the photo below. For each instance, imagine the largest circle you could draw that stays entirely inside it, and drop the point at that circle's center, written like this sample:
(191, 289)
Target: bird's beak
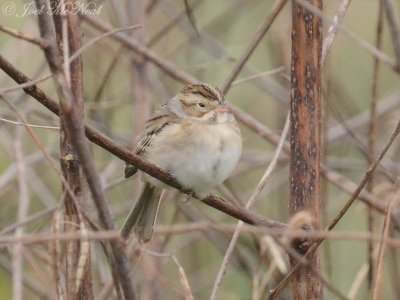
(222, 108)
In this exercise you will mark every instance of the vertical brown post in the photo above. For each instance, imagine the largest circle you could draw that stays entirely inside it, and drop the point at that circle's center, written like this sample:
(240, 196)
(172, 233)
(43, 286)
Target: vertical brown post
(305, 133)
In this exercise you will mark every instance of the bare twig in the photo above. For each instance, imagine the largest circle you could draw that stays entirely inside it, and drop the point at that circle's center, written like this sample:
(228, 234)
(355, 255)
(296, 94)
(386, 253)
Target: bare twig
(132, 44)
(333, 29)
(359, 41)
(255, 76)
(342, 211)
(30, 125)
(29, 219)
(190, 16)
(105, 79)
(190, 228)
(29, 281)
(394, 27)
(384, 106)
(24, 85)
(19, 35)
(382, 247)
(263, 29)
(358, 280)
(253, 198)
(72, 58)
(218, 50)
(172, 22)
(366, 177)
(28, 239)
(372, 138)
(183, 278)
(97, 38)
(23, 207)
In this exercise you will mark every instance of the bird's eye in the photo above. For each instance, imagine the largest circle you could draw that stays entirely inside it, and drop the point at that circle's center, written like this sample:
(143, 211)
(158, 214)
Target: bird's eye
(201, 104)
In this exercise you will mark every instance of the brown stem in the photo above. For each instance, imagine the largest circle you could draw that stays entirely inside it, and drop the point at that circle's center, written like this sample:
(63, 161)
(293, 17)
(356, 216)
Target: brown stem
(305, 141)
(76, 135)
(372, 140)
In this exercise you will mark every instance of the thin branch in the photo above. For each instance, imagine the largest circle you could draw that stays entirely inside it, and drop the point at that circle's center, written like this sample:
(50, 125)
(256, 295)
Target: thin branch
(372, 138)
(168, 67)
(191, 228)
(34, 136)
(382, 247)
(29, 219)
(394, 27)
(190, 16)
(184, 281)
(341, 213)
(359, 41)
(358, 281)
(72, 57)
(172, 22)
(263, 29)
(23, 207)
(385, 105)
(29, 125)
(256, 76)
(105, 79)
(253, 198)
(29, 282)
(19, 35)
(29, 239)
(25, 85)
(9, 174)
(97, 38)
(333, 29)
(366, 177)
(360, 236)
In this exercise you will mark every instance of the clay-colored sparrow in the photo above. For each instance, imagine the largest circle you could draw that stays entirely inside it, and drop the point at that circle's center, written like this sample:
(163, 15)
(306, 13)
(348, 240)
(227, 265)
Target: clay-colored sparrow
(195, 138)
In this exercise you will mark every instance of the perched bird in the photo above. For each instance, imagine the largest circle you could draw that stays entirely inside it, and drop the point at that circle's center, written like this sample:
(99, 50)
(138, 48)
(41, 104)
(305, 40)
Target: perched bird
(195, 138)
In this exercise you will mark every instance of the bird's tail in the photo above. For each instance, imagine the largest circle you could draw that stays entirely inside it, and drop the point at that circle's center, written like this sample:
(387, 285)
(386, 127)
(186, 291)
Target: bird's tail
(143, 215)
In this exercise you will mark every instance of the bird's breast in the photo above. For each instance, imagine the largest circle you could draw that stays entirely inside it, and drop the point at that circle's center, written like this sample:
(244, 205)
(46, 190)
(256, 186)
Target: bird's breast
(199, 156)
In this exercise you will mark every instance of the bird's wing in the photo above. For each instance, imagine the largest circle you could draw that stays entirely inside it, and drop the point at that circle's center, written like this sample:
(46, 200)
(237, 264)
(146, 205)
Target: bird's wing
(158, 122)
(161, 118)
